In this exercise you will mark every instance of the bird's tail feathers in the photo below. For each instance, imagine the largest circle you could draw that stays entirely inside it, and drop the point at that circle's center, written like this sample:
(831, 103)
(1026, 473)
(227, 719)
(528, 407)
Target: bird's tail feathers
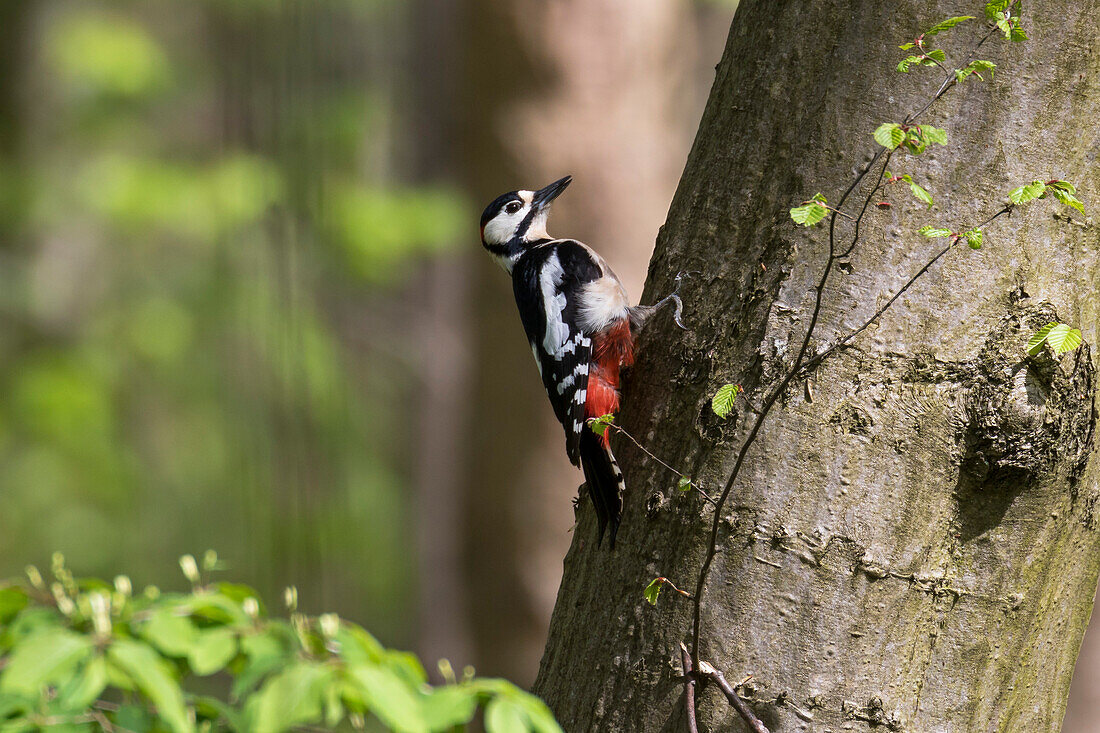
(605, 483)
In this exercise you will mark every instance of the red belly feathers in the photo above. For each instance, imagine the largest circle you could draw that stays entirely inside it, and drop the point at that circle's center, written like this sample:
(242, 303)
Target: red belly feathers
(612, 350)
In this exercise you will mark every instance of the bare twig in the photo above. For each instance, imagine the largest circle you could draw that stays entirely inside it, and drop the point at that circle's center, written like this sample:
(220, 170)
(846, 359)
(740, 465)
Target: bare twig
(689, 689)
(708, 671)
(814, 362)
(665, 581)
(645, 450)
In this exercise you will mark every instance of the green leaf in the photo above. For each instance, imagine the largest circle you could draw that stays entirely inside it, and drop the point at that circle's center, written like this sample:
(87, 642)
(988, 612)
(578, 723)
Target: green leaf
(212, 650)
(1063, 186)
(889, 135)
(722, 402)
(390, 698)
(946, 24)
(907, 46)
(599, 425)
(974, 238)
(1026, 193)
(931, 231)
(974, 68)
(1005, 26)
(12, 600)
(214, 709)
(538, 713)
(904, 64)
(446, 707)
(808, 214)
(154, 678)
(85, 687)
(169, 631)
(504, 716)
(1017, 33)
(933, 134)
(920, 193)
(1035, 343)
(43, 658)
(1067, 198)
(995, 7)
(653, 591)
(293, 697)
(1062, 338)
(684, 484)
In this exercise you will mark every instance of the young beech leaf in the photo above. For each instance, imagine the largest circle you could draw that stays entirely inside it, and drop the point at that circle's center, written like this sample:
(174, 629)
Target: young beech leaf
(995, 7)
(946, 24)
(933, 134)
(723, 400)
(809, 214)
(684, 484)
(599, 425)
(974, 238)
(974, 68)
(1059, 336)
(1068, 199)
(889, 135)
(1064, 192)
(652, 591)
(1064, 186)
(920, 193)
(931, 231)
(1029, 192)
(1062, 338)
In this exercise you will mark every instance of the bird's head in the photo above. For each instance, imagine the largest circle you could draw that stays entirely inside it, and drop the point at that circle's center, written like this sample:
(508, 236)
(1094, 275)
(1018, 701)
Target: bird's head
(517, 219)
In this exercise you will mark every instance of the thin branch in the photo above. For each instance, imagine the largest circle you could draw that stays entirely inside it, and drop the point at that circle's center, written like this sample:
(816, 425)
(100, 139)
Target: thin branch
(814, 362)
(665, 581)
(708, 671)
(645, 450)
(689, 689)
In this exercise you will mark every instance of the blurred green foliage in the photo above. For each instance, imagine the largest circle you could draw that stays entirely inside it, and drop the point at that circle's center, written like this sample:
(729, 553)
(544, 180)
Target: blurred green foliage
(200, 228)
(82, 655)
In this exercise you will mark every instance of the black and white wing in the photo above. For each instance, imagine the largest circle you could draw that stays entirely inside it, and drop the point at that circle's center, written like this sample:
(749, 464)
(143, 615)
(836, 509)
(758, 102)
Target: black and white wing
(545, 281)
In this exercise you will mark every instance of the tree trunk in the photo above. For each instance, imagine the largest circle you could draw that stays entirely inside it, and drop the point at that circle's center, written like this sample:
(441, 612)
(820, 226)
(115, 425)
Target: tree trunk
(912, 541)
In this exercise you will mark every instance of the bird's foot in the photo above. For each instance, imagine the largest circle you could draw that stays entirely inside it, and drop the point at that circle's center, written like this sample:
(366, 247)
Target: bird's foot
(674, 299)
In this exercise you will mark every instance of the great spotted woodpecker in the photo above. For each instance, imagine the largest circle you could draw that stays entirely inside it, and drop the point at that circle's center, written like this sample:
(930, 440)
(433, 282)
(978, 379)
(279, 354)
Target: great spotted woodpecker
(581, 327)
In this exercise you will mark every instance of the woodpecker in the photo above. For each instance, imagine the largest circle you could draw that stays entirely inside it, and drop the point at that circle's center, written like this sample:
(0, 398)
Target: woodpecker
(581, 328)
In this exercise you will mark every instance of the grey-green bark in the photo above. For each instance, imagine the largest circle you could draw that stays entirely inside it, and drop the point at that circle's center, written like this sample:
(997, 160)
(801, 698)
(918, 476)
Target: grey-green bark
(912, 541)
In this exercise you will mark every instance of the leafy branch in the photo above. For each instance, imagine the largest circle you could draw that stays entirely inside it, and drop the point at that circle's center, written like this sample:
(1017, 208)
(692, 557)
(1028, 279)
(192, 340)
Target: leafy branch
(83, 654)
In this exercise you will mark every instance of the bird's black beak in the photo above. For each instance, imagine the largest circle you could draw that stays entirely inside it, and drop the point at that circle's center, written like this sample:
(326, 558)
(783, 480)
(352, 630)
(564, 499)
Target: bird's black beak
(544, 196)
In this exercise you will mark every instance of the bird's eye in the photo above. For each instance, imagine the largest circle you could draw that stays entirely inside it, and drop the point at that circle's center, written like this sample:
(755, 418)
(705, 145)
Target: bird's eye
(513, 206)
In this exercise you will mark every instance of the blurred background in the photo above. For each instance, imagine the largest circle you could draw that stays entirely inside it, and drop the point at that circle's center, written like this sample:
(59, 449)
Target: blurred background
(244, 304)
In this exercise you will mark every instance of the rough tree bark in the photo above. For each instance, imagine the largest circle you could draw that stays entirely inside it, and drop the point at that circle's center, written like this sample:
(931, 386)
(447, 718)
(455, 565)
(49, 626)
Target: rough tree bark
(913, 542)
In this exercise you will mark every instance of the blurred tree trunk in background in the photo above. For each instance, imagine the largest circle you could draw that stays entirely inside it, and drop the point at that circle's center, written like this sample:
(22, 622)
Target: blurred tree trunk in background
(607, 92)
(913, 542)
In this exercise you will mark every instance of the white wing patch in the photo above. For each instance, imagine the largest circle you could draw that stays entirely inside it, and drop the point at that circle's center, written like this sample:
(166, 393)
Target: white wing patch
(550, 277)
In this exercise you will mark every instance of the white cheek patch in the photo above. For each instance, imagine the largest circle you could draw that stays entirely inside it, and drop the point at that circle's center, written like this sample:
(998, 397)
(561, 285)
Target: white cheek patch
(500, 229)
